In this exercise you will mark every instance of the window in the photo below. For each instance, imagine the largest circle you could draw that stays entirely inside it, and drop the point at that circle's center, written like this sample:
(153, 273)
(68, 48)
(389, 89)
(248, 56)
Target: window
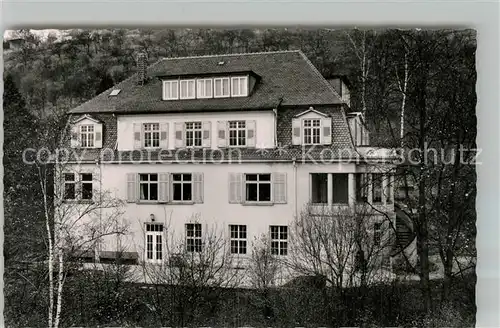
(239, 86)
(86, 180)
(279, 240)
(361, 188)
(187, 89)
(237, 133)
(151, 135)
(193, 134)
(258, 187)
(87, 135)
(319, 188)
(221, 87)
(377, 233)
(193, 237)
(377, 187)
(312, 130)
(182, 187)
(205, 89)
(69, 186)
(170, 90)
(238, 239)
(148, 184)
(154, 241)
(388, 190)
(340, 189)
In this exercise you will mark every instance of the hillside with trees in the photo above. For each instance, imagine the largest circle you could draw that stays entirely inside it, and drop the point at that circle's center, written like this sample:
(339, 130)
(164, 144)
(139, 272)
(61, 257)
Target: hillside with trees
(415, 87)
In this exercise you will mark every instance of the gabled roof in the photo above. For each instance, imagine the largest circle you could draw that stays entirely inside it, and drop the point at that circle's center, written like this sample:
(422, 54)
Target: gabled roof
(311, 110)
(85, 116)
(283, 74)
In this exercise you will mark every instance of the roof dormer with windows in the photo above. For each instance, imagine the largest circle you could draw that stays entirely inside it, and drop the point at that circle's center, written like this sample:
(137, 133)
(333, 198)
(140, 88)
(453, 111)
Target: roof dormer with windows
(311, 127)
(86, 132)
(232, 85)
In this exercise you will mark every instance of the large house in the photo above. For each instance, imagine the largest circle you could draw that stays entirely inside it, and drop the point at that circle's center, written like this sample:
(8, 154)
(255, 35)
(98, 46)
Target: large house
(242, 141)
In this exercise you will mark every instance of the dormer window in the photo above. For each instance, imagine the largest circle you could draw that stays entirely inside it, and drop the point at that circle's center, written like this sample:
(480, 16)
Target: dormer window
(312, 132)
(87, 135)
(221, 87)
(188, 89)
(204, 88)
(171, 90)
(239, 86)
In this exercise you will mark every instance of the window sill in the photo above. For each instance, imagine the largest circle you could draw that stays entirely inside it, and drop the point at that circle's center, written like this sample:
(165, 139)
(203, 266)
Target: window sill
(179, 202)
(250, 203)
(78, 201)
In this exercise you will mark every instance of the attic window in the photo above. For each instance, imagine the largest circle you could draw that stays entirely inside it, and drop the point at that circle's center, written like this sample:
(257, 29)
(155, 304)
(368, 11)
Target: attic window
(221, 63)
(115, 92)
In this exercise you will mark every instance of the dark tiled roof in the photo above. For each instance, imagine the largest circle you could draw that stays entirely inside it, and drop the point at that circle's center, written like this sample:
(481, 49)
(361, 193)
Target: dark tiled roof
(234, 155)
(288, 75)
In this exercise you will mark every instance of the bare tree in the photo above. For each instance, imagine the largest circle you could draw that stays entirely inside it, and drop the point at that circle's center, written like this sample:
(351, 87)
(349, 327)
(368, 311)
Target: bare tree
(339, 245)
(190, 279)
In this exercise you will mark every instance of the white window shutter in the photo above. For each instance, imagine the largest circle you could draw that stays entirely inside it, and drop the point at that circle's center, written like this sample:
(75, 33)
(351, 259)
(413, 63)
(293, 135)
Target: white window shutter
(164, 135)
(163, 187)
(326, 126)
(98, 135)
(251, 133)
(222, 134)
(75, 136)
(179, 134)
(131, 187)
(279, 187)
(296, 131)
(137, 136)
(206, 134)
(198, 188)
(235, 188)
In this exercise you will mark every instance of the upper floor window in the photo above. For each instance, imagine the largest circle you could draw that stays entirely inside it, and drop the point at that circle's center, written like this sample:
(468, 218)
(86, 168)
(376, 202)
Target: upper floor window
(171, 90)
(258, 187)
(193, 134)
(151, 135)
(84, 192)
(239, 86)
(182, 187)
(237, 133)
(312, 131)
(221, 87)
(148, 186)
(204, 88)
(69, 186)
(187, 89)
(86, 181)
(87, 135)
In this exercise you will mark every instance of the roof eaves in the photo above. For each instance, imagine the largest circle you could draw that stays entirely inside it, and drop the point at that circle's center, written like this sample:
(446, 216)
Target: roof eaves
(232, 54)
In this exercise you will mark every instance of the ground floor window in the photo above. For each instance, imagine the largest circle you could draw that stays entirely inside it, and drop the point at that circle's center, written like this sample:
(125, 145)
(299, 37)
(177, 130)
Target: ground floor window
(340, 188)
(193, 237)
(377, 187)
(279, 240)
(154, 241)
(238, 236)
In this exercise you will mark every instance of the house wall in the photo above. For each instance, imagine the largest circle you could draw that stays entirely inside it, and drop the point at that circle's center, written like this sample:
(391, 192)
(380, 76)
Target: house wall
(215, 209)
(265, 126)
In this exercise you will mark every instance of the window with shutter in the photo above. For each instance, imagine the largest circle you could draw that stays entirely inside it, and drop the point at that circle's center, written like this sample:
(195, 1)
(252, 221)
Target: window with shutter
(326, 125)
(206, 142)
(98, 136)
(221, 134)
(131, 187)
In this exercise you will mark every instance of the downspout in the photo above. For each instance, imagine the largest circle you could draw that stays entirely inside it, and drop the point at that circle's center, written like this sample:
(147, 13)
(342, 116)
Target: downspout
(275, 111)
(295, 185)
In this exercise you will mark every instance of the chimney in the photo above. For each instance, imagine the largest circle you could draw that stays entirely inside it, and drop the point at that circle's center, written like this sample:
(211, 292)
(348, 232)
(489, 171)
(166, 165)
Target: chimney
(142, 63)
